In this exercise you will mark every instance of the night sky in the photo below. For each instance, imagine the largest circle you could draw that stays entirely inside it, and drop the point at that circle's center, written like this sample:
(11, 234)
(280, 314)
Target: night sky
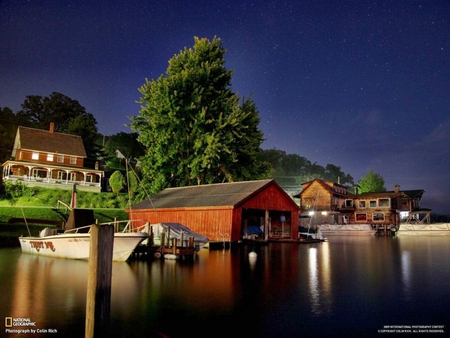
(358, 84)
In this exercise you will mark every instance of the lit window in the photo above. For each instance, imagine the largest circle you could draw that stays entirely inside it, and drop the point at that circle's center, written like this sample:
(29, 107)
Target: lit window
(361, 217)
(35, 156)
(308, 203)
(383, 202)
(50, 157)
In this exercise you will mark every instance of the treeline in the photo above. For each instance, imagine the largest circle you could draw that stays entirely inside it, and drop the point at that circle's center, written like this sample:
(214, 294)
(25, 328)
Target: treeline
(291, 170)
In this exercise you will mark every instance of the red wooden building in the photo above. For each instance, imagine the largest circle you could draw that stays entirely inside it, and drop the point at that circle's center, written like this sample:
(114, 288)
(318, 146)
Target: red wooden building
(226, 211)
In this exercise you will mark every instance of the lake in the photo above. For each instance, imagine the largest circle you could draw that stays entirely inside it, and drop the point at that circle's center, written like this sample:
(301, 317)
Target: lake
(350, 286)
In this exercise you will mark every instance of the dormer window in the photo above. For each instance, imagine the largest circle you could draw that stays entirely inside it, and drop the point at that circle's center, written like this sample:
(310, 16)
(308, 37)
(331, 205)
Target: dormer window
(73, 160)
(49, 157)
(35, 156)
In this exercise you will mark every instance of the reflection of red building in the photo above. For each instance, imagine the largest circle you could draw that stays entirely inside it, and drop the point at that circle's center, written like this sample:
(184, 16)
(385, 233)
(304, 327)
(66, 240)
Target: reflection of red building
(50, 159)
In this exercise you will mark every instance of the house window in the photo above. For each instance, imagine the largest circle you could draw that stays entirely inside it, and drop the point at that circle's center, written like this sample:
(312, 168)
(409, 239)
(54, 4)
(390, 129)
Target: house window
(73, 160)
(378, 217)
(362, 204)
(39, 173)
(372, 204)
(383, 202)
(361, 217)
(50, 157)
(35, 156)
(348, 203)
(60, 158)
(308, 203)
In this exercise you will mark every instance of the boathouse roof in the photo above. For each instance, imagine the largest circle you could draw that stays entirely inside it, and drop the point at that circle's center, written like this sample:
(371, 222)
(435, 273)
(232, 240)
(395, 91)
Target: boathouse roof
(221, 194)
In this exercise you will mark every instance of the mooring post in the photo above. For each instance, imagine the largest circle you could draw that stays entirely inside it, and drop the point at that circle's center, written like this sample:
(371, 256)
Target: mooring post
(174, 246)
(98, 304)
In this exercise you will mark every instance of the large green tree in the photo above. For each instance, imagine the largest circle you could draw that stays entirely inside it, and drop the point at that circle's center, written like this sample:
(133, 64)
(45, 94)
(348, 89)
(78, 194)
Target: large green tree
(371, 182)
(195, 128)
(39, 112)
(129, 147)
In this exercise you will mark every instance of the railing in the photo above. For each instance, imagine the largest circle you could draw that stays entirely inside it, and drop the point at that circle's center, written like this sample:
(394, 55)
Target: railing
(64, 204)
(46, 180)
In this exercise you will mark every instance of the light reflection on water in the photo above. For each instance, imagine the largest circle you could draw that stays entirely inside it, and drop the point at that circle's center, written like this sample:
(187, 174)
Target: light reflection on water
(347, 286)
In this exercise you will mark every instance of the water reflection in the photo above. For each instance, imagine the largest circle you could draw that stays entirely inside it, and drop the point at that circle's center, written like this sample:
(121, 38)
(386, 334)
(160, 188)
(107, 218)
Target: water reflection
(319, 280)
(345, 287)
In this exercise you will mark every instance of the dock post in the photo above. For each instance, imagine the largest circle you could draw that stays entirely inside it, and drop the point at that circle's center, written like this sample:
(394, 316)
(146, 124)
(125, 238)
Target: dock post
(174, 246)
(98, 303)
(191, 242)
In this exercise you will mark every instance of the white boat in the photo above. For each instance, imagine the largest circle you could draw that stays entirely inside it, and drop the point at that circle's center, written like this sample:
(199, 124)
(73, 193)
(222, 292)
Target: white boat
(435, 229)
(75, 243)
(347, 229)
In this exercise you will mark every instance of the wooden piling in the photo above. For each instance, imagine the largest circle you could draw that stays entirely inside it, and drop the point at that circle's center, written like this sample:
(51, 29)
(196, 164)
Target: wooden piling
(98, 304)
(174, 246)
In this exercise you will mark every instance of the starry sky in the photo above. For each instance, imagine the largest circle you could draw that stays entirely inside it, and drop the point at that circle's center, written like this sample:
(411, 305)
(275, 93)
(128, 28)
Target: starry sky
(359, 84)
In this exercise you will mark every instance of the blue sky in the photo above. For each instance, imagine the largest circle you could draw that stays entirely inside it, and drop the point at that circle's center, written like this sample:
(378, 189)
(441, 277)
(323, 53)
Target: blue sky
(359, 84)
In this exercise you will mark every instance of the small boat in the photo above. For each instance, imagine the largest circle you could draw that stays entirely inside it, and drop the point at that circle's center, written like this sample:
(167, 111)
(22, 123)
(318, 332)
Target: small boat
(73, 240)
(75, 243)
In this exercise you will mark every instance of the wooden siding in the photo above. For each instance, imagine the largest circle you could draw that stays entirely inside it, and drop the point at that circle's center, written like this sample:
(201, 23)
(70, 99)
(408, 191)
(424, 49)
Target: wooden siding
(321, 197)
(206, 221)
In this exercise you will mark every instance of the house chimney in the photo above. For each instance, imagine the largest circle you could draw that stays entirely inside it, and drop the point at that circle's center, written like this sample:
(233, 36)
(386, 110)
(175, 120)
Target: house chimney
(52, 127)
(397, 188)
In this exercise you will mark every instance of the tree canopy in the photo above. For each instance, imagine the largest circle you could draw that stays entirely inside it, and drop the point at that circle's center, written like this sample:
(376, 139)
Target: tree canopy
(291, 170)
(371, 182)
(194, 128)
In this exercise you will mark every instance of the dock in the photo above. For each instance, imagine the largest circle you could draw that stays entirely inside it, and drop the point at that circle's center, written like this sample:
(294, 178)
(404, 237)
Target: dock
(169, 250)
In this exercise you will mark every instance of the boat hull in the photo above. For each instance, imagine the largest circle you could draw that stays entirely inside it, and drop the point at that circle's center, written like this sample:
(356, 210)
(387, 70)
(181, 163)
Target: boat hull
(77, 245)
(435, 229)
(347, 229)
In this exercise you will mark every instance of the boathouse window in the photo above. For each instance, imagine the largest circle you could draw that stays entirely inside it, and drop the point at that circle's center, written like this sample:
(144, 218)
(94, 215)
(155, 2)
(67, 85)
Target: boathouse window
(378, 217)
(50, 157)
(35, 156)
(60, 158)
(361, 217)
(383, 202)
(373, 204)
(362, 204)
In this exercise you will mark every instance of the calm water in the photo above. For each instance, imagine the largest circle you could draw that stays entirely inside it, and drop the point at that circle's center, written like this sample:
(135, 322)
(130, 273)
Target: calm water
(347, 287)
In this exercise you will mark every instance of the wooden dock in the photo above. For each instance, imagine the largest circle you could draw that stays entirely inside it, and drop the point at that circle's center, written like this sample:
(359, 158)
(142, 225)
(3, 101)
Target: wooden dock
(166, 251)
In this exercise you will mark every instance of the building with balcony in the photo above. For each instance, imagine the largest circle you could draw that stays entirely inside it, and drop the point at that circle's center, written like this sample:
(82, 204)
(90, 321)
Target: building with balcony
(45, 158)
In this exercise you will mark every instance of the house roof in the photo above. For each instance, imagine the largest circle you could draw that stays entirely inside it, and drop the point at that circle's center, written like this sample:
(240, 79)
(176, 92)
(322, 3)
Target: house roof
(412, 193)
(327, 185)
(221, 194)
(46, 141)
